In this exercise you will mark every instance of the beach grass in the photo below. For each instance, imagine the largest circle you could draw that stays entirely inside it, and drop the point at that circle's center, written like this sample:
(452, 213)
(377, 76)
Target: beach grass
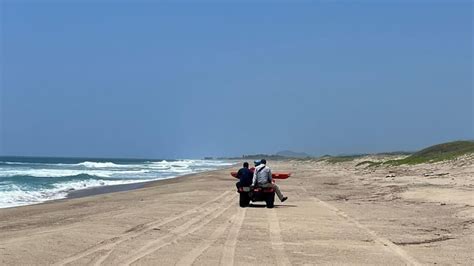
(369, 163)
(341, 159)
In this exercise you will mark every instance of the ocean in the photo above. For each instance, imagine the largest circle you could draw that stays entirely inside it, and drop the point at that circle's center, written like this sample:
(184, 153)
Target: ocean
(31, 180)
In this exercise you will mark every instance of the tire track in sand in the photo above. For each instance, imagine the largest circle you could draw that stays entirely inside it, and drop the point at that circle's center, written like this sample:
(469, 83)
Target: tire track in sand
(384, 242)
(228, 253)
(276, 239)
(109, 244)
(235, 223)
(180, 231)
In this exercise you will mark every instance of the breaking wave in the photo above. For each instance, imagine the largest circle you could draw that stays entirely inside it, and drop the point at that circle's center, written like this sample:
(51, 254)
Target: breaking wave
(24, 183)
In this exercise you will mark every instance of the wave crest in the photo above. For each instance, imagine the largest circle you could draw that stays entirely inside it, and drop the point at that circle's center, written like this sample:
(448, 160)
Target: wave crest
(89, 164)
(23, 183)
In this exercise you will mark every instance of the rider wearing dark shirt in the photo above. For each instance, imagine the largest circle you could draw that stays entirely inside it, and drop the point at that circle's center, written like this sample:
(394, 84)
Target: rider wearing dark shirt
(245, 176)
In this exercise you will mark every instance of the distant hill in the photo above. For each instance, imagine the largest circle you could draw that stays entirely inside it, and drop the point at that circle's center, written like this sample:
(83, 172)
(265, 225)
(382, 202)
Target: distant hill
(261, 156)
(292, 154)
(282, 155)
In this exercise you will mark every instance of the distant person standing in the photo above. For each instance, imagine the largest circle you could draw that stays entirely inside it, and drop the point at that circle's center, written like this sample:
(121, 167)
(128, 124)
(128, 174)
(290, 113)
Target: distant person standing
(262, 176)
(245, 176)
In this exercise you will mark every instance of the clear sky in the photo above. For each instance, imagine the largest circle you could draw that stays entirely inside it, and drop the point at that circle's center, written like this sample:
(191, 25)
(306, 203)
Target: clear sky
(200, 79)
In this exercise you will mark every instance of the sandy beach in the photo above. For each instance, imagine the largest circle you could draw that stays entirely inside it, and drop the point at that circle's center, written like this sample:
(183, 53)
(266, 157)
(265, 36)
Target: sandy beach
(123, 122)
(336, 214)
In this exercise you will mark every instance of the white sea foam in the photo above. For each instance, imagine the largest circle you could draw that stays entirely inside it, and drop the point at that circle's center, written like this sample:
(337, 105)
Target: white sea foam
(16, 189)
(87, 164)
(13, 163)
(106, 165)
(52, 173)
(17, 196)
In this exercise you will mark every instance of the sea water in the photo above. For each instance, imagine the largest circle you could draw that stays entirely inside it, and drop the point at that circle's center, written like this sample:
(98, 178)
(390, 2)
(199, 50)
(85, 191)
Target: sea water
(31, 180)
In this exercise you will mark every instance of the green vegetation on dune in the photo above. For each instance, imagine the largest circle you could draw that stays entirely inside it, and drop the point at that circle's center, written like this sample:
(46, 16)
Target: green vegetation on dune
(436, 153)
(369, 163)
(341, 159)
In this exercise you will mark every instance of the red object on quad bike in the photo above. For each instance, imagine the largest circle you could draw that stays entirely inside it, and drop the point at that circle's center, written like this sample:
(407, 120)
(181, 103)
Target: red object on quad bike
(274, 175)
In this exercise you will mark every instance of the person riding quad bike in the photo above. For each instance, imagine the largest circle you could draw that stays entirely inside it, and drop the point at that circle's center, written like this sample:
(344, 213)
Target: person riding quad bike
(245, 176)
(263, 186)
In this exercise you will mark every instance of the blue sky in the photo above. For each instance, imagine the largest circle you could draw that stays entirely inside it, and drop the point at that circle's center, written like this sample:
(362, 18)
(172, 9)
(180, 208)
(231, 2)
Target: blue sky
(196, 79)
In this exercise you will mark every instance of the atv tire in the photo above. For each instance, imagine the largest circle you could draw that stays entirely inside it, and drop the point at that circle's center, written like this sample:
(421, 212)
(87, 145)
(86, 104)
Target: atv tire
(244, 200)
(270, 200)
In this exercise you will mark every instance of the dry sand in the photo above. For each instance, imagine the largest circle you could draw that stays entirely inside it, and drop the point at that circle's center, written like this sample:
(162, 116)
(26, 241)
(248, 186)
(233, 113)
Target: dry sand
(336, 214)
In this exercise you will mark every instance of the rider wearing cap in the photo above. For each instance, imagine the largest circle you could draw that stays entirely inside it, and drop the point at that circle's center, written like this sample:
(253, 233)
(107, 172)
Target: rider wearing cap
(262, 177)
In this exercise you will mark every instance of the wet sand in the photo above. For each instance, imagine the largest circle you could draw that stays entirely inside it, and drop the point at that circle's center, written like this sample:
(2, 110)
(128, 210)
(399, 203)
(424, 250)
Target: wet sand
(336, 214)
(126, 187)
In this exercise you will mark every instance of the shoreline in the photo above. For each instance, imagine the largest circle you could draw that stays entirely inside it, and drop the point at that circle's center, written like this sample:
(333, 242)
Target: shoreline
(87, 192)
(93, 191)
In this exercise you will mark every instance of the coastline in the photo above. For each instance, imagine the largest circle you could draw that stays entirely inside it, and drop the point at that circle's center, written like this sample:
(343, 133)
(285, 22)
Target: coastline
(93, 191)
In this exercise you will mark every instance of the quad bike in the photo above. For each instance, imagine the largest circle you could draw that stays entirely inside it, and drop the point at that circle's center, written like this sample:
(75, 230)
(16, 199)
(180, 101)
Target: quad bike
(253, 194)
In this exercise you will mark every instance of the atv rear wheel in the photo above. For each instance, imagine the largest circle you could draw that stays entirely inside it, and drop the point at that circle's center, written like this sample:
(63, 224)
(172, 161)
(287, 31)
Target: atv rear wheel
(244, 200)
(270, 200)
